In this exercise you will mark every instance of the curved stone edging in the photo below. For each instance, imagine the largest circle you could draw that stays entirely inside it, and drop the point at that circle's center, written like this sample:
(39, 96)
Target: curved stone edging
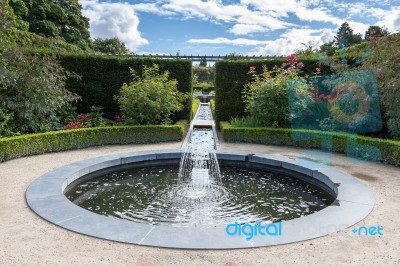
(45, 197)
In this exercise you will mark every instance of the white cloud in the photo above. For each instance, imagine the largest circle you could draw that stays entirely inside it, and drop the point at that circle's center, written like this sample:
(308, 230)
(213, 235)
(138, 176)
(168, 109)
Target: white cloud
(289, 42)
(391, 20)
(152, 8)
(246, 17)
(238, 42)
(209, 10)
(358, 27)
(243, 29)
(108, 20)
(292, 41)
(304, 10)
(245, 20)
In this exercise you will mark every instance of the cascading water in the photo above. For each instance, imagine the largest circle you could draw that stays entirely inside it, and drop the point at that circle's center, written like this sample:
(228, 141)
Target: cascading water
(199, 177)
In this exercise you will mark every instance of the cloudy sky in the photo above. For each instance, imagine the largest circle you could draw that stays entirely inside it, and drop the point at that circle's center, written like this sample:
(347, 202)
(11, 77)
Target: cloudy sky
(219, 27)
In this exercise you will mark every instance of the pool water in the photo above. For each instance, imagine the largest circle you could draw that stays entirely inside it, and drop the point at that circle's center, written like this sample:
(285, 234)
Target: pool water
(151, 195)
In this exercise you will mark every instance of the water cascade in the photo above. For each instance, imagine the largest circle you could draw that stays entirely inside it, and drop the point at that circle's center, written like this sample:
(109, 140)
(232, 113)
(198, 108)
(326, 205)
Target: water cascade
(199, 177)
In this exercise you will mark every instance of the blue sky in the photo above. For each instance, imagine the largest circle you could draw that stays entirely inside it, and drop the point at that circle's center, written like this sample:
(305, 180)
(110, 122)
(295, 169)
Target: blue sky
(219, 27)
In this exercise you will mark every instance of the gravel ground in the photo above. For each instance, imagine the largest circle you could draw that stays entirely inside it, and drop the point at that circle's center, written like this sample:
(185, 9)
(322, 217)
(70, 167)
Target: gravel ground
(26, 239)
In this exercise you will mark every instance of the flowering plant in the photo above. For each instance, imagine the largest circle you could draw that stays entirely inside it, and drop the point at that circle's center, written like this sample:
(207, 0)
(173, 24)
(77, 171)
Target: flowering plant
(73, 125)
(92, 119)
(266, 97)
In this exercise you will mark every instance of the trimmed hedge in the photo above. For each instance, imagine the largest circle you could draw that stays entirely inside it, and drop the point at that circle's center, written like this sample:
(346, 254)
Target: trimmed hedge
(195, 106)
(367, 148)
(26, 145)
(232, 75)
(101, 78)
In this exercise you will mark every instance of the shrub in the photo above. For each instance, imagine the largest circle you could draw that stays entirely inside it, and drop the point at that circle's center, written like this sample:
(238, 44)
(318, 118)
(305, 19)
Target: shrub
(26, 145)
(385, 60)
(247, 121)
(73, 125)
(232, 76)
(267, 97)
(151, 98)
(195, 106)
(93, 119)
(5, 123)
(212, 106)
(32, 90)
(101, 78)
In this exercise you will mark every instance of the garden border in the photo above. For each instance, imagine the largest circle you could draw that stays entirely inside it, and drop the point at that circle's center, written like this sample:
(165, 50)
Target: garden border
(54, 141)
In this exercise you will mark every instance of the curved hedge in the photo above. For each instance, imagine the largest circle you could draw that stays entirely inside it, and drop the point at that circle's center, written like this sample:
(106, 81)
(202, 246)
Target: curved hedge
(15, 147)
(367, 148)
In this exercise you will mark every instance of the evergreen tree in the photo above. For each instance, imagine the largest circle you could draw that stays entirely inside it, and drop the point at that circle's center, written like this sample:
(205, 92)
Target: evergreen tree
(345, 36)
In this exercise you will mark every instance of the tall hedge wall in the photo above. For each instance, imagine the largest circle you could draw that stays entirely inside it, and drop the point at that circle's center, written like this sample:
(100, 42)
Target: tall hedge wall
(101, 77)
(231, 77)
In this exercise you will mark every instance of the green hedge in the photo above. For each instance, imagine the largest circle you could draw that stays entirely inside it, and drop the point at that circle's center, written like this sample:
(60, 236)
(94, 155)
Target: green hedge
(26, 145)
(195, 106)
(103, 76)
(367, 148)
(231, 77)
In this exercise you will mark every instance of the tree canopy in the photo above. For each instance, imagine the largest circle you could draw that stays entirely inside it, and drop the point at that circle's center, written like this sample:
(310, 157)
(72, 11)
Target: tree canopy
(375, 32)
(203, 62)
(345, 36)
(49, 18)
(110, 46)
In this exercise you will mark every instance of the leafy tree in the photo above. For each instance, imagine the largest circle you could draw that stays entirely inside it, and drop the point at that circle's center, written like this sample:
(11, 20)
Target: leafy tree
(151, 98)
(20, 11)
(345, 36)
(32, 91)
(233, 56)
(110, 46)
(384, 60)
(12, 33)
(61, 18)
(7, 17)
(204, 74)
(328, 48)
(203, 62)
(375, 32)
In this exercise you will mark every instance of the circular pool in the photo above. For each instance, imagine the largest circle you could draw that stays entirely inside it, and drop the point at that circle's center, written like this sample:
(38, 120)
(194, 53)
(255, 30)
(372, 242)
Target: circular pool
(134, 198)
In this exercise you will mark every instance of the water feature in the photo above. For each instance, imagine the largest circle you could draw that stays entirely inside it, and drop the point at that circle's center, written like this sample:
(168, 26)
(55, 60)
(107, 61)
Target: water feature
(156, 205)
(199, 175)
(151, 195)
(199, 192)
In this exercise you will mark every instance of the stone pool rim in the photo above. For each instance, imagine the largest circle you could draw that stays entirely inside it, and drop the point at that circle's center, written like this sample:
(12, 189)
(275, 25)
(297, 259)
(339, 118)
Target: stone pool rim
(45, 196)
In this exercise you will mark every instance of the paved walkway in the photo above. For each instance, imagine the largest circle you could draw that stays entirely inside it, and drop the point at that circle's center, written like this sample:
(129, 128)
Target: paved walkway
(26, 239)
